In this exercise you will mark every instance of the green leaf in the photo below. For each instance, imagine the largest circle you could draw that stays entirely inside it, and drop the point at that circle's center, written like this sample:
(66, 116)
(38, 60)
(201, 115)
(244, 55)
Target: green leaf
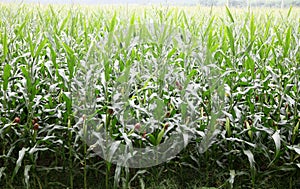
(229, 14)
(159, 110)
(40, 47)
(295, 148)
(112, 150)
(232, 176)
(278, 34)
(296, 128)
(252, 29)
(160, 136)
(19, 161)
(5, 45)
(113, 22)
(287, 42)
(6, 76)
(152, 139)
(277, 139)
(250, 156)
(227, 126)
(231, 39)
(171, 53)
(208, 28)
(20, 29)
(140, 172)
(183, 109)
(68, 49)
(36, 149)
(290, 11)
(117, 176)
(31, 43)
(64, 22)
(26, 175)
(2, 169)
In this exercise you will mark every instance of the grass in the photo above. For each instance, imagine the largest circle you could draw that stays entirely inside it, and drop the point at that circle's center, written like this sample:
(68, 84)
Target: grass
(149, 62)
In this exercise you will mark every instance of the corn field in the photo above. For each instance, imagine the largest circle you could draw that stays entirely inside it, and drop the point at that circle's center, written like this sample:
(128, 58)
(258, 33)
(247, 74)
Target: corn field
(153, 66)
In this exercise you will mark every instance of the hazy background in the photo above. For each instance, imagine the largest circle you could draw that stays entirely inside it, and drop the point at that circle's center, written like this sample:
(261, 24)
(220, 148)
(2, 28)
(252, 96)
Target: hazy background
(239, 3)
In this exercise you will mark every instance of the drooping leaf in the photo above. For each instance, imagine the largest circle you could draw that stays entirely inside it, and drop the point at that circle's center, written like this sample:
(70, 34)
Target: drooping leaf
(19, 161)
(2, 173)
(26, 175)
(277, 139)
(250, 156)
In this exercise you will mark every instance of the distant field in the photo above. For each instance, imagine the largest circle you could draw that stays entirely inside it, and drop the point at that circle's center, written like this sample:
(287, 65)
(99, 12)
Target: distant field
(147, 73)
